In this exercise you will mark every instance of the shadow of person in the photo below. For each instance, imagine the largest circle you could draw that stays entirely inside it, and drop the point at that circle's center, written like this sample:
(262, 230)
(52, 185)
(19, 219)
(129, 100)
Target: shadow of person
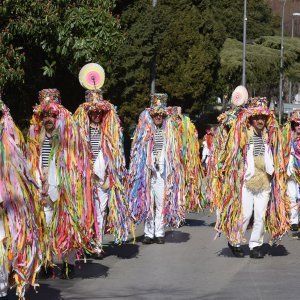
(89, 269)
(276, 250)
(44, 291)
(125, 251)
(174, 236)
(194, 222)
(226, 252)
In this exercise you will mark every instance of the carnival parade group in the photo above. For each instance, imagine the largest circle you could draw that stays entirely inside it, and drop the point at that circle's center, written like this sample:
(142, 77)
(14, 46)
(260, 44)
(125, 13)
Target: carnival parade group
(67, 185)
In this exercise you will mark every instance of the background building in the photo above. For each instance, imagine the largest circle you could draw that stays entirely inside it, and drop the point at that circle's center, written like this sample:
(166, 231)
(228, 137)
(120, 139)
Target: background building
(291, 7)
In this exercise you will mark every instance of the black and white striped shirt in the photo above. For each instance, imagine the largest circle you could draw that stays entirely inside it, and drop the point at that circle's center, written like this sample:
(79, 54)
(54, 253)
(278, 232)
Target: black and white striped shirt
(46, 149)
(258, 143)
(158, 141)
(95, 137)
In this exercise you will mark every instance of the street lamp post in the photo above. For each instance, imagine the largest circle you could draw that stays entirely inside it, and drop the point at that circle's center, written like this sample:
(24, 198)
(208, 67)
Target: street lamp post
(244, 43)
(153, 68)
(296, 14)
(281, 62)
(293, 23)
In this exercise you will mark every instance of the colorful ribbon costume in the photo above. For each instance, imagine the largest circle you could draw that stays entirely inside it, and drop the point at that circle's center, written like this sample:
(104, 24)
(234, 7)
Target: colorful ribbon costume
(111, 144)
(230, 217)
(70, 225)
(20, 252)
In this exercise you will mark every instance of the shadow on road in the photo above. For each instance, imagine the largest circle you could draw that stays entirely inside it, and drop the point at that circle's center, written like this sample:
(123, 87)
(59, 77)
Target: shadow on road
(194, 222)
(275, 250)
(125, 251)
(90, 270)
(171, 236)
(227, 252)
(44, 291)
(177, 237)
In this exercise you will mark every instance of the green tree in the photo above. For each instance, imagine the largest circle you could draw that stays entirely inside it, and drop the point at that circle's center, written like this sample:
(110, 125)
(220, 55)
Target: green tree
(185, 46)
(45, 43)
(263, 63)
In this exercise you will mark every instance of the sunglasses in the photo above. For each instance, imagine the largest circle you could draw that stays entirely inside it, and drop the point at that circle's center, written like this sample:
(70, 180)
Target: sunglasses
(259, 117)
(49, 115)
(95, 113)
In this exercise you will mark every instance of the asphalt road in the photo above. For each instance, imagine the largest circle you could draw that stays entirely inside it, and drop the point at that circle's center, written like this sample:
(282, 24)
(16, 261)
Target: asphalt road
(190, 265)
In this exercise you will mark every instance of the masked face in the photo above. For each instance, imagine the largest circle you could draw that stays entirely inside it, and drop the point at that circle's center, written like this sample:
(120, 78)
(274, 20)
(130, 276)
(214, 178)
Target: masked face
(48, 120)
(258, 122)
(96, 117)
(158, 119)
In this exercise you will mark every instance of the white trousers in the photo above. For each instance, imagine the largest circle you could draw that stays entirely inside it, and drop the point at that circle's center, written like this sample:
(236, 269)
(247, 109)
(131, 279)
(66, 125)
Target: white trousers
(258, 203)
(292, 192)
(154, 225)
(3, 280)
(101, 209)
(48, 214)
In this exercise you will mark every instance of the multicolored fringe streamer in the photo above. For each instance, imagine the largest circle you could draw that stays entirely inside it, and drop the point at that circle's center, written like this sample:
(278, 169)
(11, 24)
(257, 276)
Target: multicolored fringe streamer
(20, 250)
(217, 139)
(118, 222)
(230, 218)
(71, 226)
(194, 177)
(291, 143)
(214, 179)
(142, 164)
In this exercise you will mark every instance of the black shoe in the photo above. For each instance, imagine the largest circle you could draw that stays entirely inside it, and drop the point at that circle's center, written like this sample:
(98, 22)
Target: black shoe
(256, 252)
(236, 251)
(160, 240)
(147, 240)
(67, 272)
(4, 298)
(294, 227)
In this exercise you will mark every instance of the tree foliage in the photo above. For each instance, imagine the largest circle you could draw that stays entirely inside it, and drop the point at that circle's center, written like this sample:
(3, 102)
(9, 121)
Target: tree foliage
(263, 63)
(45, 43)
(196, 45)
(184, 38)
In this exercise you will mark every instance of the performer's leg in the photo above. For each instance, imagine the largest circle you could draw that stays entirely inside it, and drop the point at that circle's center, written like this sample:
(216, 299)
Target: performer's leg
(292, 192)
(47, 271)
(247, 207)
(101, 211)
(260, 206)
(149, 223)
(247, 210)
(159, 188)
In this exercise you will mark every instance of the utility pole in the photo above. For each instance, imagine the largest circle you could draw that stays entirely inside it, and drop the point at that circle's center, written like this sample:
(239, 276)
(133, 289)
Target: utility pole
(290, 81)
(153, 67)
(244, 44)
(281, 63)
